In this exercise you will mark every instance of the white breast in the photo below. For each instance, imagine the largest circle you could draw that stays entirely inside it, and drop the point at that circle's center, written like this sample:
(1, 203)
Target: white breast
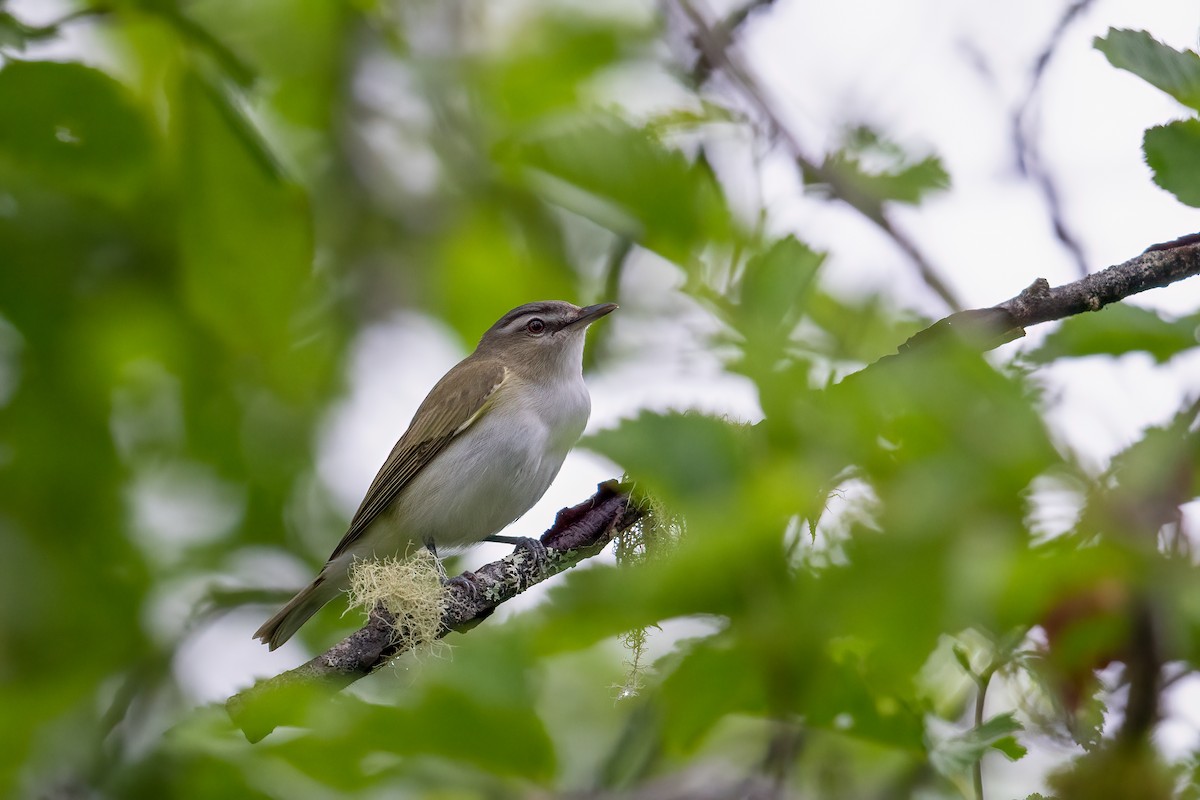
(490, 475)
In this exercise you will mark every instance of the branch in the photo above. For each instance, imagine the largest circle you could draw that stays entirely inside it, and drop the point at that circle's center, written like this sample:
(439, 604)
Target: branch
(1160, 265)
(1029, 159)
(578, 532)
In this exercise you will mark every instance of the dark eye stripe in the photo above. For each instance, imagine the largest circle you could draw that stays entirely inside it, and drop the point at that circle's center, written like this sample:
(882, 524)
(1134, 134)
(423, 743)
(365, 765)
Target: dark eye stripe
(529, 309)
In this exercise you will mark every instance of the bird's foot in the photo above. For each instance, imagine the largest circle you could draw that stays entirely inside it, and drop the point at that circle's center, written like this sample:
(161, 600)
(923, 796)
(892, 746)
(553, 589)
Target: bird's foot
(468, 582)
(534, 547)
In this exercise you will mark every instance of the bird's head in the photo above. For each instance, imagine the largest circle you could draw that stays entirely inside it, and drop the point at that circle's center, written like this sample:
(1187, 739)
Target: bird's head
(542, 339)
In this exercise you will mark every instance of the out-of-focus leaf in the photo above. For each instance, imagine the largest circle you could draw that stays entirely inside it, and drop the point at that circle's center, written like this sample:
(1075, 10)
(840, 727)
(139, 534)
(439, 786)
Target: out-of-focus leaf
(773, 287)
(773, 293)
(12, 32)
(687, 119)
(862, 330)
(957, 754)
(1150, 480)
(682, 456)
(875, 168)
(627, 181)
(477, 708)
(1173, 152)
(245, 233)
(494, 263)
(98, 142)
(1115, 772)
(546, 67)
(1174, 71)
(299, 71)
(1118, 329)
(730, 680)
(202, 38)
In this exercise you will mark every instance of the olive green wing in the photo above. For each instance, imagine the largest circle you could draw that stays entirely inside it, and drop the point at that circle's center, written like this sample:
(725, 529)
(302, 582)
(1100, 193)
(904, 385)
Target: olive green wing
(459, 399)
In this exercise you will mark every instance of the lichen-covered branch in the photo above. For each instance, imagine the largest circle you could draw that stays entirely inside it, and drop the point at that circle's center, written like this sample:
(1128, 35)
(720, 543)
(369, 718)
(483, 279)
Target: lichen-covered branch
(578, 532)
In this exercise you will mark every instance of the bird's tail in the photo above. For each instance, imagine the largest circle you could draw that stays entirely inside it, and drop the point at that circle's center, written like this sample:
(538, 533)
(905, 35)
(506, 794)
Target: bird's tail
(279, 628)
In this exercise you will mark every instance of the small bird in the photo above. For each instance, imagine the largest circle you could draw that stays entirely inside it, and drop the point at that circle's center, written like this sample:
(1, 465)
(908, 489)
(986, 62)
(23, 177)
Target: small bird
(482, 448)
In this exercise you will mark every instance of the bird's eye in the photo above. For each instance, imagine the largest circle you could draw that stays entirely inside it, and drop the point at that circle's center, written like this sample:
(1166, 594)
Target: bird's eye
(535, 326)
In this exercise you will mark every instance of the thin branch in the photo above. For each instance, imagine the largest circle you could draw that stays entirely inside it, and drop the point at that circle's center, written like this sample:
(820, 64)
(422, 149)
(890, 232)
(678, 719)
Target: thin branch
(1143, 671)
(1028, 158)
(578, 532)
(982, 681)
(1160, 265)
(714, 44)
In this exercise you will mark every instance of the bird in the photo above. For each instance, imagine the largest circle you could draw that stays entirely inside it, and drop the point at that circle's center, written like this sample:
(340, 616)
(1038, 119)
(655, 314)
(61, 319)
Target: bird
(481, 450)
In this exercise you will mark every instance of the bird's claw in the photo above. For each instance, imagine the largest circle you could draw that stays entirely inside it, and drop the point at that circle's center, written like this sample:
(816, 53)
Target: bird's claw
(534, 547)
(466, 582)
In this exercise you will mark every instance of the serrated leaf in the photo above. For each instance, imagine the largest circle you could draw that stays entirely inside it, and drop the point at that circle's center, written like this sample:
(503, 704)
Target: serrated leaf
(1176, 72)
(1117, 329)
(773, 293)
(1173, 152)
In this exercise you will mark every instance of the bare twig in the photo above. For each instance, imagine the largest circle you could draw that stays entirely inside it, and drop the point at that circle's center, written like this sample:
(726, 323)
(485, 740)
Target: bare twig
(982, 681)
(1028, 158)
(714, 44)
(578, 532)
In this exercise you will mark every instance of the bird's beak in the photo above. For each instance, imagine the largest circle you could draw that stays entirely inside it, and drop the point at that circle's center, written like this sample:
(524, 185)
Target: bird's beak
(590, 314)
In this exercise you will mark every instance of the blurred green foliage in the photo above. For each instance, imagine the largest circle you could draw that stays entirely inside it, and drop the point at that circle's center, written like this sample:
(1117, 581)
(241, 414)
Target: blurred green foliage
(201, 209)
(1120, 329)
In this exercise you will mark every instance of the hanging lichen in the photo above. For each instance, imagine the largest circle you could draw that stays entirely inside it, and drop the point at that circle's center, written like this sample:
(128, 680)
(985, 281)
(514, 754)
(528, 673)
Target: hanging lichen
(409, 588)
(652, 537)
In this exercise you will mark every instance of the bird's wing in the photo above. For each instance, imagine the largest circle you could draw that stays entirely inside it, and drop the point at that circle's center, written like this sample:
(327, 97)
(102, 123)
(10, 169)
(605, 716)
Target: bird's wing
(453, 405)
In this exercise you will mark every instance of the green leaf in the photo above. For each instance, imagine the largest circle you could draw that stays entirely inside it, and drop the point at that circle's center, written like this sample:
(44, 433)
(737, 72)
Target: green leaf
(545, 68)
(954, 756)
(964, 659)
(245, 231)
(1176, 72)
(774, 291)
(862, 329)
(707, 666)
(869, 165)
(12, 32)
(624, 179)
(97, 142)
(1173, 152)
(1117, 329)
(685, 456)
